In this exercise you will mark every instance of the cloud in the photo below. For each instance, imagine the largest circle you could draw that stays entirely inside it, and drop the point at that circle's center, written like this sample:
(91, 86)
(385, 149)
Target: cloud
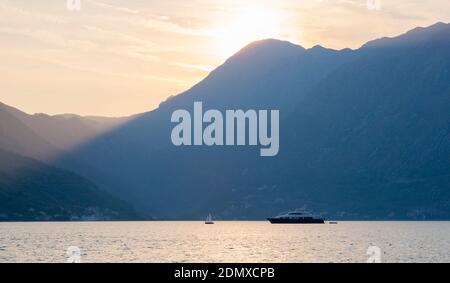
(30, 15)
(83, 69)
(52, 38)
(113, 7)
(201, 67)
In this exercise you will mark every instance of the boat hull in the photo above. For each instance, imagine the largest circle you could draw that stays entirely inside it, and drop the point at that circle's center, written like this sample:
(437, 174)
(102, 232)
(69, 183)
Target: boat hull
(296, 221)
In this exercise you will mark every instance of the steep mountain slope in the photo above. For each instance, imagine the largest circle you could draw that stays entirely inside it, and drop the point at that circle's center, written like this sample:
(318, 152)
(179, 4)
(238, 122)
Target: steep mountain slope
(267, 73)
(33, 191)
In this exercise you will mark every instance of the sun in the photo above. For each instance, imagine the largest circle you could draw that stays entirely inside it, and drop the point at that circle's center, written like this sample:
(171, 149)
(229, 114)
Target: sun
(246, 26)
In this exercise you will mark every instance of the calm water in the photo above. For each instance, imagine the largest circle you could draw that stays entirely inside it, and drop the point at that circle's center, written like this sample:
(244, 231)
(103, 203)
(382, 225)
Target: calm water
(225, 242)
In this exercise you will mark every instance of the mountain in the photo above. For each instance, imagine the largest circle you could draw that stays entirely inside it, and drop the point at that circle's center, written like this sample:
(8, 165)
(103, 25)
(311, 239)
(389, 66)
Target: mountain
(378, 145)
(265, 75)
(52, 135)
(17, 137)
(363, 135)
(33, 191)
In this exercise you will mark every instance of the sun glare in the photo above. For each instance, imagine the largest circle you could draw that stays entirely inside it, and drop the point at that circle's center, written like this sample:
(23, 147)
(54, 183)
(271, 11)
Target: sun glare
(245, 27)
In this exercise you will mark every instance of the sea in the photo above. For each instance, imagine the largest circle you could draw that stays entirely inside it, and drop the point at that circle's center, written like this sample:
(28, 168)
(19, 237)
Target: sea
(224, 242)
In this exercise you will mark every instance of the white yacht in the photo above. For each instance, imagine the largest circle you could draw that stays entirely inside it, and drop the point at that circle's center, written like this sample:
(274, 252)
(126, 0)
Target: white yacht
(296, 217)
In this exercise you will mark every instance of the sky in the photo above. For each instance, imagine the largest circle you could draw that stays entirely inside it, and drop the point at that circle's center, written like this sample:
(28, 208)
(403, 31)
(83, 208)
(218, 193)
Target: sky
(122, 57)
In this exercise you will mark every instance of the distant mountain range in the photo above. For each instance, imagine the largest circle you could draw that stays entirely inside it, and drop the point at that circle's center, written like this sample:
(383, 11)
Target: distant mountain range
(365, 134)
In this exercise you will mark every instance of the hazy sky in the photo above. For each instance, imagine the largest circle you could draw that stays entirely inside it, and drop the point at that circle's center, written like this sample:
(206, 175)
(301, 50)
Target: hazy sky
(122, 57)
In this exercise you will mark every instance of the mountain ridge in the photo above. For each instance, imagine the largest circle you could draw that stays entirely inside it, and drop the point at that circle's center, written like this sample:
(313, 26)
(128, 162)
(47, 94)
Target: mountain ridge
(419, 35)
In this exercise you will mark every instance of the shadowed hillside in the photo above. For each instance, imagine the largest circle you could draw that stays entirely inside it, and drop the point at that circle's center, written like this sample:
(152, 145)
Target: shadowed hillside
(33, 191)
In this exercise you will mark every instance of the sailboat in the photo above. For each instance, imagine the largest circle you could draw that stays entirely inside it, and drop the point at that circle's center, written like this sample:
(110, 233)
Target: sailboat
(209, 219)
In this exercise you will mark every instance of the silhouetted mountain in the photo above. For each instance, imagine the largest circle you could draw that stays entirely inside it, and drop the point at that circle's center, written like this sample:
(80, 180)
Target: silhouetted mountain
(17, 137)
(364, 134)
(267, 73)
(53, 134)
(143, 155)
(373, 139)
(33, 191)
